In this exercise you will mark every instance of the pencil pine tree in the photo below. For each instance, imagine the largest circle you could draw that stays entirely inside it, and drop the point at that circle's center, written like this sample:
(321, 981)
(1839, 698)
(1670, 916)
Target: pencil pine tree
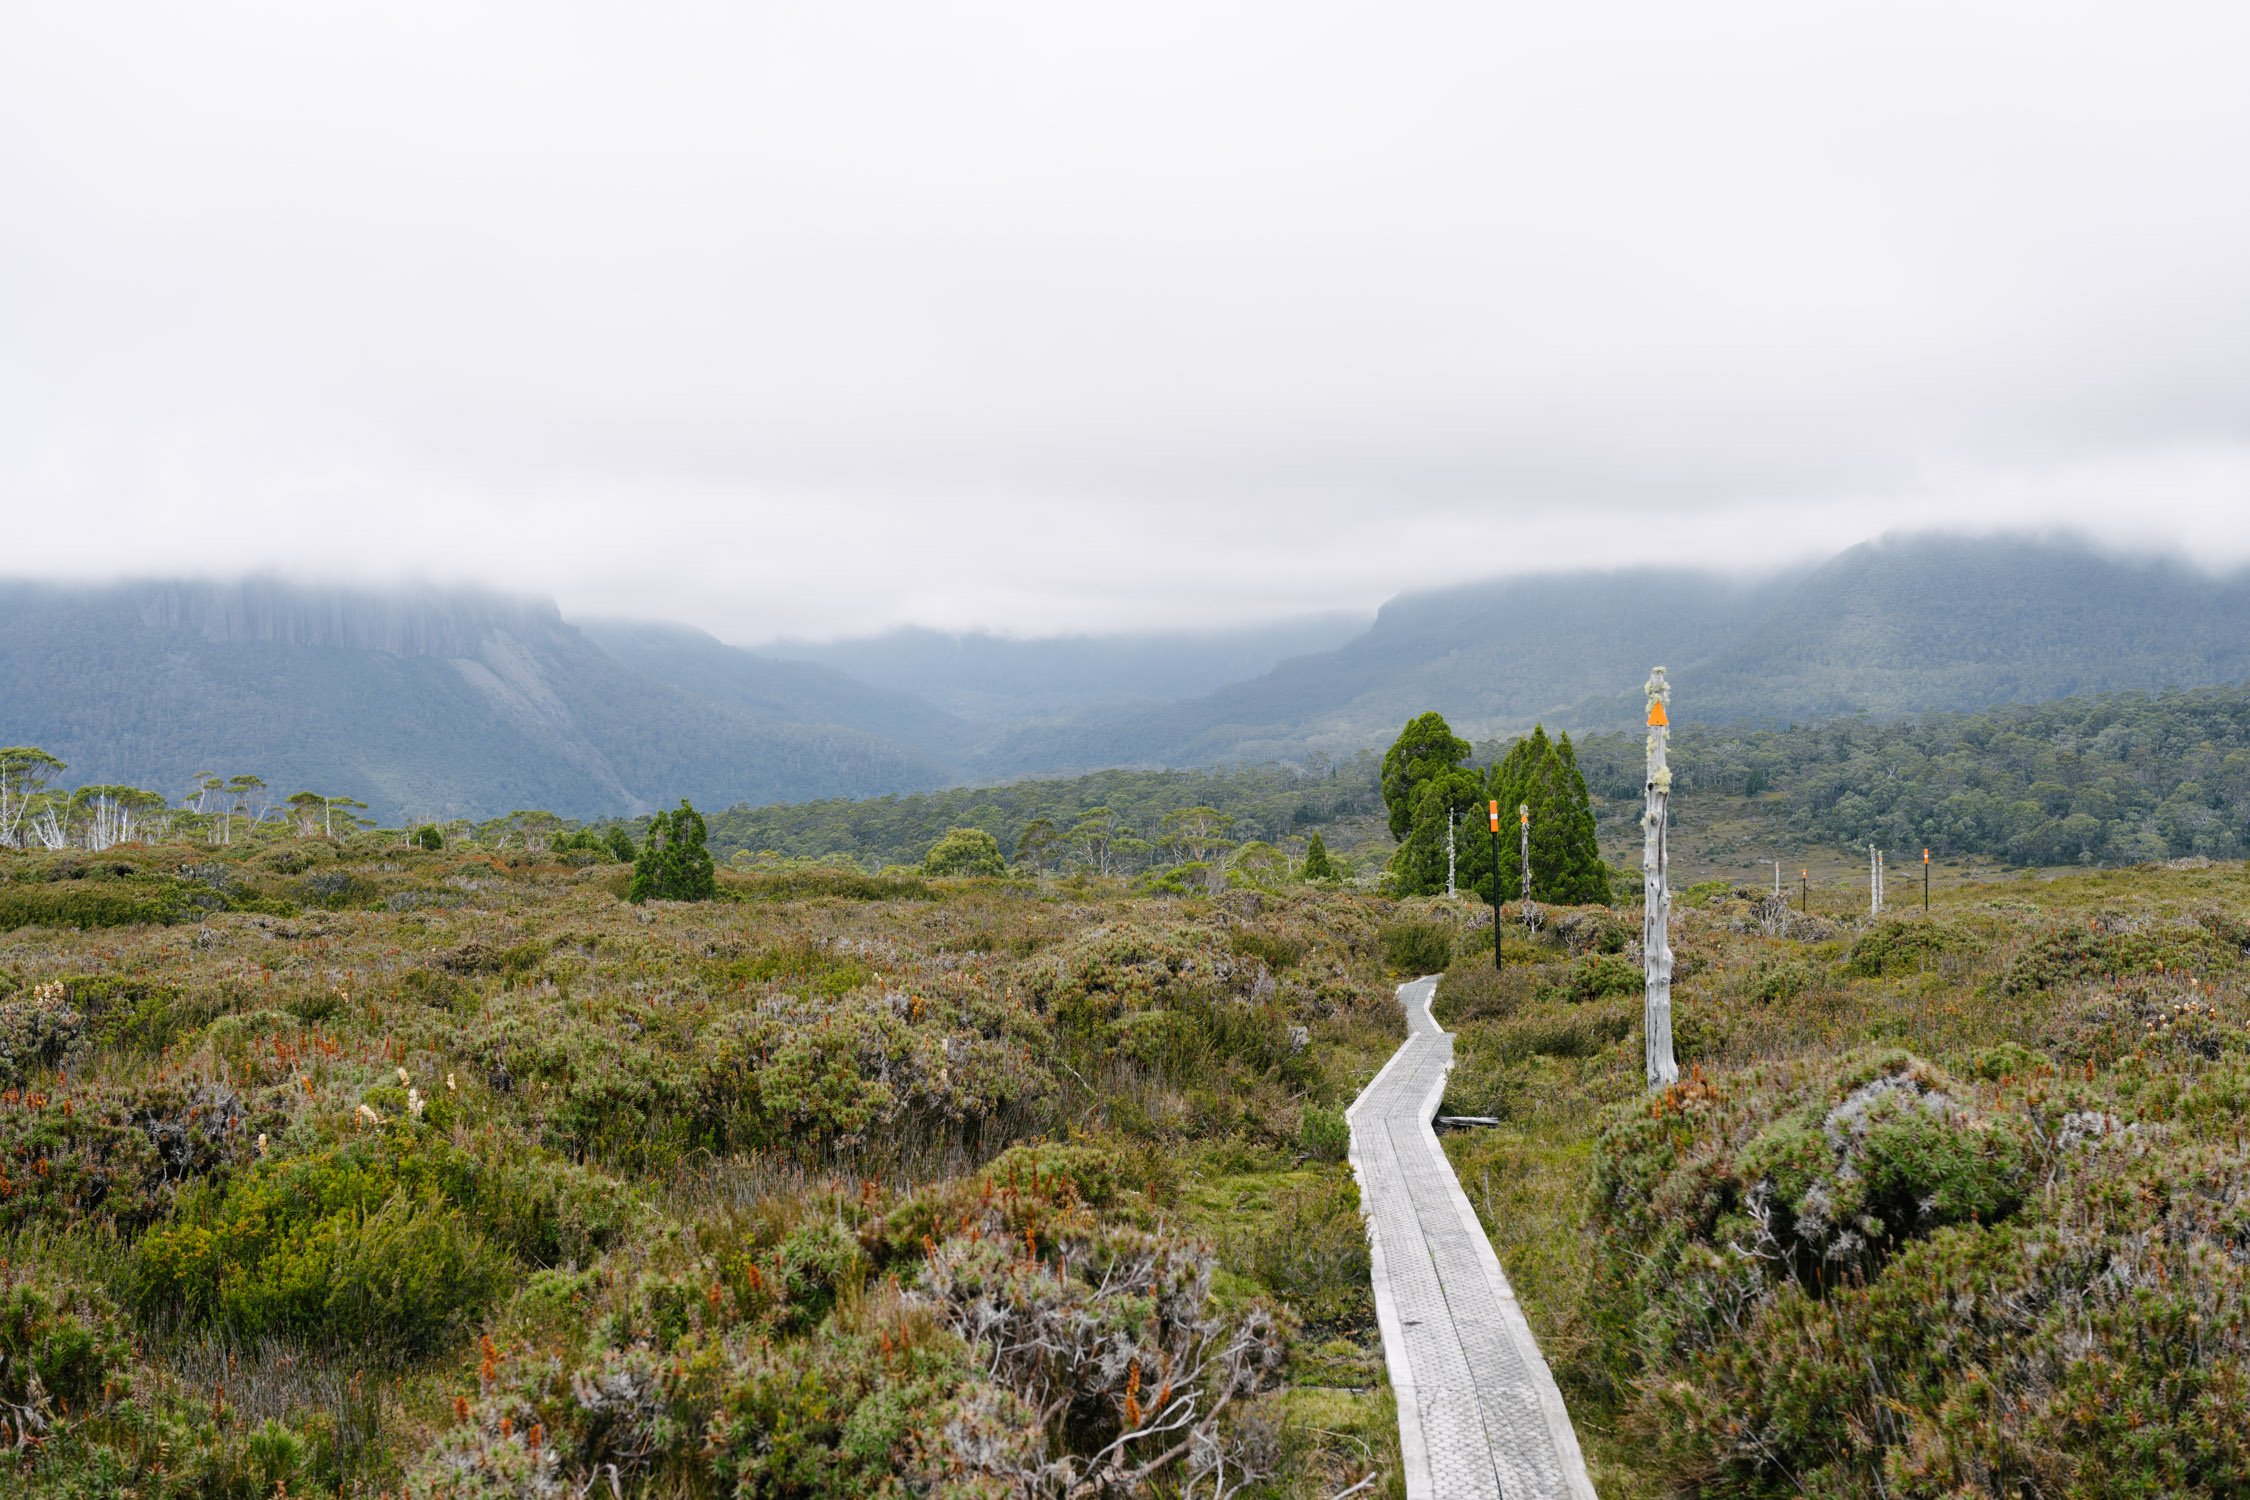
(1566, 864)
(674, 865)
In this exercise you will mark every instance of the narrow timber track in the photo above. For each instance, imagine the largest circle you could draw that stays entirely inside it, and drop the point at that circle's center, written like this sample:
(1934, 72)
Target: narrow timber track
(1479, 1416)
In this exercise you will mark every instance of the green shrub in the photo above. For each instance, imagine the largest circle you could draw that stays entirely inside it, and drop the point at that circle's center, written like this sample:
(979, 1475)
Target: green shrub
(1311, 1250)
(2071, 953)
(1894, 947)
(106, 904)
(818, 1262)
(428, 837)
(341, 1249)
(1414, 948)
(1070, 1171)
(965, 851)
(2007, 1060)
(1597, 976)
(1275, 950)
(116, 1156)
(674, 864)
(60, 1340)
(35, 1031)
(1778, 979)
(1575, 1030)
(1324, 1134)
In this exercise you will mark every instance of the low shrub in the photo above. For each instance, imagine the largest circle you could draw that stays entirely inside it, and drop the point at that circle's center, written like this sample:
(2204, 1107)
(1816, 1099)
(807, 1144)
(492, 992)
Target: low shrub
(2072, 953)
(1597, 976)
(351, 1247)
(1894, 947)
(1323, 1134)
(91, 905)
(63, 1351)
(1579, 1029)
(1311, 1251)
(35, 1031)
(1775, 980)
(1277, 951)
(1416, 948)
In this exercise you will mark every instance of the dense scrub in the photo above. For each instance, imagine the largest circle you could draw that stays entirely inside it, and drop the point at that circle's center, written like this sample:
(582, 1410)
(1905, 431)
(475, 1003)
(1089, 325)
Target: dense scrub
(1945, 1206)
(378, 1168)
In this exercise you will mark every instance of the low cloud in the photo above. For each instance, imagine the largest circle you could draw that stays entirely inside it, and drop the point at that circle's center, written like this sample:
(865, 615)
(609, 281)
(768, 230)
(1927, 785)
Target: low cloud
(813, 319)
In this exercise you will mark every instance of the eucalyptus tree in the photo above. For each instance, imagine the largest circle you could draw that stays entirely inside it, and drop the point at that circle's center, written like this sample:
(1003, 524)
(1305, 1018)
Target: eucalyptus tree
(1196, 835)
(25, 771)
(106, 816)
(244, 793)
(1038, 844)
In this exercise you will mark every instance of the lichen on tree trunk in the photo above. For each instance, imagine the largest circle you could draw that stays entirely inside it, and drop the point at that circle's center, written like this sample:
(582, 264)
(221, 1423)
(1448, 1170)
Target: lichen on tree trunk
(1656, 909)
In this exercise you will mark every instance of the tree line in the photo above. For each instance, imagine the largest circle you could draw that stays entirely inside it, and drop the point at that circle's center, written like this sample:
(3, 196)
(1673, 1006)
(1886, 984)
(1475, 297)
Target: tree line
(2114, 779)
(1122, 822)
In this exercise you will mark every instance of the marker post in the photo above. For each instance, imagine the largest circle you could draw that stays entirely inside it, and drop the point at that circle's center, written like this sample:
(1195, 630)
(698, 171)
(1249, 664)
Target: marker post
(1495, 883)
(1925, 882)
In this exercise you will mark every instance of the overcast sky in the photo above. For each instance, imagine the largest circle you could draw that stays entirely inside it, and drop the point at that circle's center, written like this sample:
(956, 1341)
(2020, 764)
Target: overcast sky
(815, 318)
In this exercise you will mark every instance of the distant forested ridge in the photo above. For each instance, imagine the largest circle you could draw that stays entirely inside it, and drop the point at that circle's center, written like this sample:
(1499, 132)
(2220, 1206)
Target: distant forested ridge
(1899, 626)
(427, 703)
(442, 703)
(2110, 779)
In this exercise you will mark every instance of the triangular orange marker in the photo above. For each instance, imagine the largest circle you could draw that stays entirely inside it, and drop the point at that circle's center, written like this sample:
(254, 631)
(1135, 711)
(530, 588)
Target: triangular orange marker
(1656, 718)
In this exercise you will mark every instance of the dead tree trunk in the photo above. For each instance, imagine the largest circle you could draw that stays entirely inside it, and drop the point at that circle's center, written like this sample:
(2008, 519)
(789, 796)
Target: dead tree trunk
(1656, 909)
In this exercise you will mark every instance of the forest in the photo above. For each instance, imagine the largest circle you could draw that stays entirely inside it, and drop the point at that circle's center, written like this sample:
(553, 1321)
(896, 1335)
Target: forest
(2115, 779)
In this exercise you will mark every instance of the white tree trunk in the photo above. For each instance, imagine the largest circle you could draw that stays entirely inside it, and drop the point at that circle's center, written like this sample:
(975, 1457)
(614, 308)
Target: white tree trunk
(1523, 828)
(1449, 821)
(1656, 914)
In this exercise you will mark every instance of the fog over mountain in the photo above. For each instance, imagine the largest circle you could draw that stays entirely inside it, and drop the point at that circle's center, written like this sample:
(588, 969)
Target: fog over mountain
(428, 701)
(1038, 319)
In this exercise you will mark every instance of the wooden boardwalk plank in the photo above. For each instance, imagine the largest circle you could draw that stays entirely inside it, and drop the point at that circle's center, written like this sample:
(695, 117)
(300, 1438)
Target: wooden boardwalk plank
(1479, 1415)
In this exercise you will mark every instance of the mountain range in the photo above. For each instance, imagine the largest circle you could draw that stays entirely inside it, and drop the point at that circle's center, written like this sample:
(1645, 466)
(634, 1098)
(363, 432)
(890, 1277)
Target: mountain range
(425, 701)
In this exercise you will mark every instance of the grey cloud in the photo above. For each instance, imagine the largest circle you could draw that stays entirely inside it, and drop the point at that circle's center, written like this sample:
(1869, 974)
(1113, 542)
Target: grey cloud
(809, 318)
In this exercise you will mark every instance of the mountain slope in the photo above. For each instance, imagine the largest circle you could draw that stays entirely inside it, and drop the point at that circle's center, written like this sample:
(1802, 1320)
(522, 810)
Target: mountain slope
(704, 666)
(1910, 624)
(416, 700)
(439, 701)
(1893, 626)
(1005, 681)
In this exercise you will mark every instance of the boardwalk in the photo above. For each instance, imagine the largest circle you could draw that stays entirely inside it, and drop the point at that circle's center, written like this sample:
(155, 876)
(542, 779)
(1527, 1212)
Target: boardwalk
(1478, 1412)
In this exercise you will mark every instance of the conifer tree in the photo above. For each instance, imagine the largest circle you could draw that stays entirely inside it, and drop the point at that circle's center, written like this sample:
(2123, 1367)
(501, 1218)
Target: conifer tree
(1584, 874)
(1566, 865)
(1427, 748)
(674, 865)
(1425, 761)
(1318, 866)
